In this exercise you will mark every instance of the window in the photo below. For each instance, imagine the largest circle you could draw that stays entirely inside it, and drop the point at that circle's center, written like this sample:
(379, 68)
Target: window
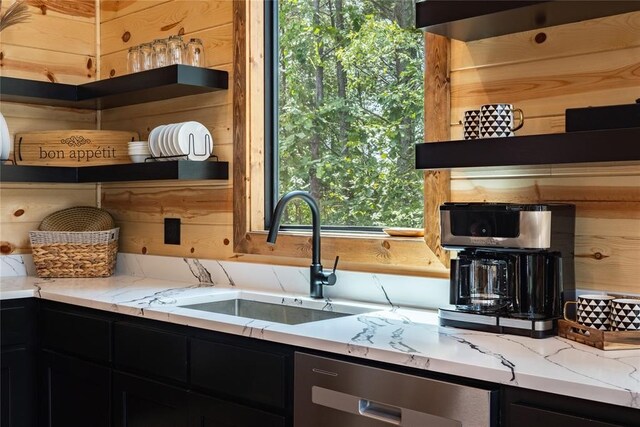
(346, 108)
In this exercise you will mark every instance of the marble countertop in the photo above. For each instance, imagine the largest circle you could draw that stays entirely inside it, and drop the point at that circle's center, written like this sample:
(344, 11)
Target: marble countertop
(393, 335)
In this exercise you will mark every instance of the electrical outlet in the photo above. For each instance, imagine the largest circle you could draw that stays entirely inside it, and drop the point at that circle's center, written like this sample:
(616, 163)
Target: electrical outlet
(172, 231)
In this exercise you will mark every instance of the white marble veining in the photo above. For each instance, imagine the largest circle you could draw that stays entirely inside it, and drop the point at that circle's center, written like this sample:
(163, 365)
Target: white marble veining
(387, 333)
(16, 265)
(402, 291)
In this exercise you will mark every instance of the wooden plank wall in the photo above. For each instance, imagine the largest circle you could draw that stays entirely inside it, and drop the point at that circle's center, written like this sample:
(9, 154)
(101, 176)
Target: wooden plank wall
(205, 208)
(58, 44)
(595, 62)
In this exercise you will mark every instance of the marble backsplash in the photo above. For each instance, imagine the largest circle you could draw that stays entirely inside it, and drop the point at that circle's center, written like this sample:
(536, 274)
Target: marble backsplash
(388, 289)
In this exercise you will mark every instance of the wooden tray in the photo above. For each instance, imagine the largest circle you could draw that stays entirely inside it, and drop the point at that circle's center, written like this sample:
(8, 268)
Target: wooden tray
(604, 340)
(79, 147)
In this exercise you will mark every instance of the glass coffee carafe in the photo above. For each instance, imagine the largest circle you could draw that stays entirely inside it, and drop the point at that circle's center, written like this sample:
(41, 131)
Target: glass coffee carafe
(484, 282)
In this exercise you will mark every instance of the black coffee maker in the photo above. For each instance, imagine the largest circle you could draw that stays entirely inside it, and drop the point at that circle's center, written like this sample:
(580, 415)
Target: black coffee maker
(515, 267)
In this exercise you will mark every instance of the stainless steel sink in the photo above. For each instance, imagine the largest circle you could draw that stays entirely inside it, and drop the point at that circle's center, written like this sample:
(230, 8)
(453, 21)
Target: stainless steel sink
(271, 312)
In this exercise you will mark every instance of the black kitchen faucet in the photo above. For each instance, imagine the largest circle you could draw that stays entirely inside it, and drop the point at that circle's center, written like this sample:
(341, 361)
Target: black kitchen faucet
(318, 277)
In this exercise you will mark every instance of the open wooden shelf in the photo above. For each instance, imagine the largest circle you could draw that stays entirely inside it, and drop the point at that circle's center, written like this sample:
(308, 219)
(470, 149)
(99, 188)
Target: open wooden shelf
(609, 145)
(152, 85)
(474, 20)
(179, 170)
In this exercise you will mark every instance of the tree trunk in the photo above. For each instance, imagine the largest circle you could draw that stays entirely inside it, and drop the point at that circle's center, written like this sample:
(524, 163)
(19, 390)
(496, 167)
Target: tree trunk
(342, 79)
(314, 182)
(404, 12)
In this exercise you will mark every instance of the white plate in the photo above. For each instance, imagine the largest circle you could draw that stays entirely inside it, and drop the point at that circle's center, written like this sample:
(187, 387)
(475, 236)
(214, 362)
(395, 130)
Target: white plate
(195, 147)
(5, 138)
(173, 138)
(153, 140)
(162, 138)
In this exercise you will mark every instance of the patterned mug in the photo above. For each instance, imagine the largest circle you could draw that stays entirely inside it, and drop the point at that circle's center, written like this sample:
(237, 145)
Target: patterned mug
(625, 314)
(471, 124)
(496, 120)
(592, 311)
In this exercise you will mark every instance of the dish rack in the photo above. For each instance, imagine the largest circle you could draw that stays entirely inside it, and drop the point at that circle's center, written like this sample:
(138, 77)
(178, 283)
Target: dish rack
(604, 340)
(208, 150)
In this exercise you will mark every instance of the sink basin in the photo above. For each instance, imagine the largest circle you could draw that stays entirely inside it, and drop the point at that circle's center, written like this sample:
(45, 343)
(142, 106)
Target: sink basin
(275, 312)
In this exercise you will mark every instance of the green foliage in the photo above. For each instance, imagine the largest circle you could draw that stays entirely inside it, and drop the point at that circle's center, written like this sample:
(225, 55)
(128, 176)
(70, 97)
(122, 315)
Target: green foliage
(352, 148)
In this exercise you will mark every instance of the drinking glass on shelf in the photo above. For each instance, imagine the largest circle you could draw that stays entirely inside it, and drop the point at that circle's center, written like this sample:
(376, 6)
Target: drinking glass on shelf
(146, 53)
(174, 49)
(195, 53)
(133, 59)
(159, 53)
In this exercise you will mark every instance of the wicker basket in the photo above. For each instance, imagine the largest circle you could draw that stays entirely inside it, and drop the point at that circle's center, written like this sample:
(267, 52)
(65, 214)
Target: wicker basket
(74, 253)
(78, 218)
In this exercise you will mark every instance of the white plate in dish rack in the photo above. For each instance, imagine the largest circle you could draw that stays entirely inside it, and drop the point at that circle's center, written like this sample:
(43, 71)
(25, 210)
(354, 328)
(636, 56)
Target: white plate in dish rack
(163, 140)
(169, 138)
(5, 139)
(154, 146)
(194, 140)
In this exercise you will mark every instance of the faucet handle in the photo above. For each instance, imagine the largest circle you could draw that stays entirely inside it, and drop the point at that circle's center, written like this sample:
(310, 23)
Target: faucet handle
(330, 279)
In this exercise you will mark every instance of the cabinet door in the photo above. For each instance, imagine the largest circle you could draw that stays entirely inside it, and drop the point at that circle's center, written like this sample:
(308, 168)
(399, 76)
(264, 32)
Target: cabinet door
(17, 388)
(528, 416)
(529, 408)
(234, 371)
(142, 403)
(80, 333)
(210, 412)
(150, 352)
(73, 393)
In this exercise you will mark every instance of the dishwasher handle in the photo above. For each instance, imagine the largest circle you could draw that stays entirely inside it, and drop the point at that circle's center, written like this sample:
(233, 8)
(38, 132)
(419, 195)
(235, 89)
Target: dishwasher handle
(381, 412)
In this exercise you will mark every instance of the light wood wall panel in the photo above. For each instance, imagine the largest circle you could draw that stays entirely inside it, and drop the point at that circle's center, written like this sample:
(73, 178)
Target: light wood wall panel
(163, 20)
(57, 44)
(23, 206)
(204, 207)
(593, 62)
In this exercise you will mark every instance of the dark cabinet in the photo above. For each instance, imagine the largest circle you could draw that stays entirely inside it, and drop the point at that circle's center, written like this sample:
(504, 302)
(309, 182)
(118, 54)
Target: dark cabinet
(529, 408)
(139, 402)
(17, 388)
(150, 351)
(207, 411)
(73, 393)
(106, 369)
(17, 363)
(243, 373)
(78, 333)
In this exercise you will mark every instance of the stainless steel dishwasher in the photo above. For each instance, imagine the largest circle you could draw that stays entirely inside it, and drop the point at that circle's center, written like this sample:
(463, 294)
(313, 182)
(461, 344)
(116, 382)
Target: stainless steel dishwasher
(333, 393)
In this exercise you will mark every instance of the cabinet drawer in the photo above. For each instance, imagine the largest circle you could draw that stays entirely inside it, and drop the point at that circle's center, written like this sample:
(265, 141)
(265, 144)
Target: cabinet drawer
(14, 322)
(207, 411)
(252, 375)
(150, 351)
(522, 415)
(78, 334)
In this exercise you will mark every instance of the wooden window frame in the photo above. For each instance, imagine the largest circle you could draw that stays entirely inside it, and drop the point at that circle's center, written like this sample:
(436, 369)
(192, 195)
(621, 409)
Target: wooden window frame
(358, 252)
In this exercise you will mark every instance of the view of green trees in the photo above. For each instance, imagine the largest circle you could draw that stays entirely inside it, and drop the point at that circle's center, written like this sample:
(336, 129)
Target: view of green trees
(351, 109)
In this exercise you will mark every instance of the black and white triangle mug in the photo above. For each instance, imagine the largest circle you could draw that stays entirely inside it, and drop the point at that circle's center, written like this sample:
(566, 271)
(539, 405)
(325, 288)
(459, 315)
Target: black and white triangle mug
(592, 311)
(471, 124)
(497, 120)
(625, 314)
